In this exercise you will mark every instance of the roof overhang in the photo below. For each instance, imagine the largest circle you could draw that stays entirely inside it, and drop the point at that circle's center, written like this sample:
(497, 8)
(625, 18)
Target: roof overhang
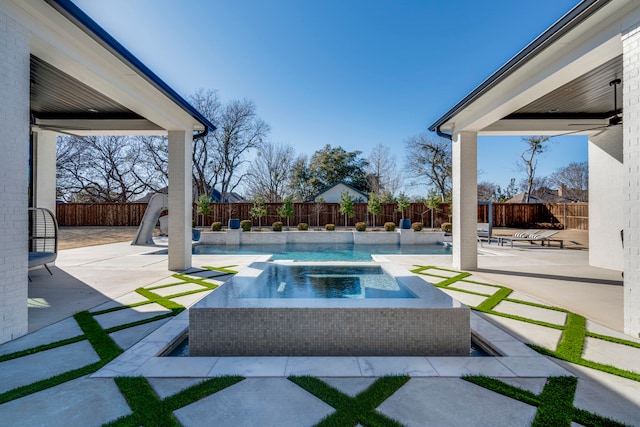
(84, 82)
(558, 84)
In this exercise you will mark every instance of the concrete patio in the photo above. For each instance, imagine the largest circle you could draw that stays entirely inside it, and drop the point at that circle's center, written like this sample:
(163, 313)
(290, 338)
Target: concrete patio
(97, 278)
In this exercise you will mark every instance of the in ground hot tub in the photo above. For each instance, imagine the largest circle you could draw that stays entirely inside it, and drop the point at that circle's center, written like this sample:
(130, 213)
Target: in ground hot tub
(321, 309)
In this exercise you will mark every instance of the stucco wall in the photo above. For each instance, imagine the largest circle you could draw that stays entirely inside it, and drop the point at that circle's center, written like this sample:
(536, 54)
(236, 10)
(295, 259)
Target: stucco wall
(14, 145)
(605, 199)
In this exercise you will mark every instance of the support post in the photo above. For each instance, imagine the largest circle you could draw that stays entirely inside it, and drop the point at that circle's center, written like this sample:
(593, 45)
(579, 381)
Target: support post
(465, 200)
(180, 203)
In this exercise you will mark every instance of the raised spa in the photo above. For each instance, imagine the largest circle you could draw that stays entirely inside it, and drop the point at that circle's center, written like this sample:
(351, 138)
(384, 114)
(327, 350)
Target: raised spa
(319, 309)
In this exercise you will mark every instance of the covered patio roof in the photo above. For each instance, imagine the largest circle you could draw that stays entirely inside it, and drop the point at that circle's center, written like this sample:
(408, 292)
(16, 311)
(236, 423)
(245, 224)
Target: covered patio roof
(84, 82)
(558, 84)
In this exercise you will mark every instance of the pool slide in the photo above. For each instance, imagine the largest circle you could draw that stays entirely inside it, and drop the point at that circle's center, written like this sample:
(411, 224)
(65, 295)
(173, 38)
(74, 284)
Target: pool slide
(157, 204)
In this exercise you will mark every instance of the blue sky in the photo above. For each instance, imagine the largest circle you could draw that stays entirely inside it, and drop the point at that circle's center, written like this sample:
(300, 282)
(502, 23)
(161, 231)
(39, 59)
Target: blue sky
(353, 73)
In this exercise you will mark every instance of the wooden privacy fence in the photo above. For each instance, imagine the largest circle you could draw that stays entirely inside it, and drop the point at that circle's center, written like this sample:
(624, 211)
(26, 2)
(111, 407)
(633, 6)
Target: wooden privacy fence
(570, 215)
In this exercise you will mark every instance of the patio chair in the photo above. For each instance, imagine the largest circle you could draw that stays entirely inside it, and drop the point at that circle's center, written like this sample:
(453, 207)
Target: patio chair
(544, 236)
(43, 238)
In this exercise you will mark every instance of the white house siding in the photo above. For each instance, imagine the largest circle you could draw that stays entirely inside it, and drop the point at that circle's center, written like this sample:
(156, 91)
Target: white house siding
(332, 195)
(631, 202)
(605, 198)
(14, 145)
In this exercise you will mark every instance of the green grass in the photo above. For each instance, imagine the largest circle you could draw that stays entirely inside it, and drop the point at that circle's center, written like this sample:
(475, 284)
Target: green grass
(555, 403)
(149, 410)
(353, 410)
(574, 330)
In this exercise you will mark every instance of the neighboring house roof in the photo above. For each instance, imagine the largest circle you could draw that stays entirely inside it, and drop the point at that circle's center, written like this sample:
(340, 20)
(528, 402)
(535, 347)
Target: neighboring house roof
(522, 198)
(216, 197)
(93, 30)
(364, 195)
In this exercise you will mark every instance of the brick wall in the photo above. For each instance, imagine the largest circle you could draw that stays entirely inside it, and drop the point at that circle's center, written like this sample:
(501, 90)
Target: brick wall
(14, 145)
(631, 178)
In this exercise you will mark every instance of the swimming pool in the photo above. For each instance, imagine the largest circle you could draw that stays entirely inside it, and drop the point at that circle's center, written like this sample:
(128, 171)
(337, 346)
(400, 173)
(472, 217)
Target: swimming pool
(325, 281)
(230, 322)
(321, 251)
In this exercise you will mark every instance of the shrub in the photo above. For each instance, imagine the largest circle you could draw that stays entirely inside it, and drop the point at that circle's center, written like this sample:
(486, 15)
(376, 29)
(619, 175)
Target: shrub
(330, 227)
(246, 225)
(416, 226)
(193, 223)
(303, 226)
(277, 226)
(361, 226)
(389, 226)
(216, 226)
(446, 227)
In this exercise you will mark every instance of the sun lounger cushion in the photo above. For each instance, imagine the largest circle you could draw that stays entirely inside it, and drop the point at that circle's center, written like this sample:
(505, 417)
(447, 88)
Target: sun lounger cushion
(521, 235)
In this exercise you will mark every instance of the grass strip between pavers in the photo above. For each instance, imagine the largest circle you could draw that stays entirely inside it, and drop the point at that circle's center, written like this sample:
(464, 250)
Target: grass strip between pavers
(149, 410)
(574, 331)
(353, 410)
(223, 269)
(104, 346)
(43, 347)
(37, 386)
(555, 403)
(163, 301)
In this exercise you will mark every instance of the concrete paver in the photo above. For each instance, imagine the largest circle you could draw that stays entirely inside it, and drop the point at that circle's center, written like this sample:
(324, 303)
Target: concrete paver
(64, 329)
(125, 338)
(165, 387)
(607, 395)
(45, 364)
(128, 315)
(454, 402)
(531, 312)
(534, 385)
(605, 352)
(265, 402)
(80, 402)
(528, 332)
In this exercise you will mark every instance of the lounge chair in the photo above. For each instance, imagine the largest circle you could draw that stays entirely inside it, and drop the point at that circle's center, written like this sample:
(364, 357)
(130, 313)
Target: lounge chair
(43, 238)
(484, 232)
(544, 236)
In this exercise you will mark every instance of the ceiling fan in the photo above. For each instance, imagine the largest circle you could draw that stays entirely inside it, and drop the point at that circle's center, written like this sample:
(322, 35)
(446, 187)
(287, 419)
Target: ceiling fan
(614, 120)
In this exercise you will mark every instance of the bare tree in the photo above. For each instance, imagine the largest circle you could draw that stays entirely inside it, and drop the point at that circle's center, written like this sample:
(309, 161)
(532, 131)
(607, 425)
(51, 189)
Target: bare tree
(428, 161)
(529, 160)
(573, 181)
(240, 130)
(269, 175)
(486, 191)
(102, 168)
(382, 171)
(206, 166)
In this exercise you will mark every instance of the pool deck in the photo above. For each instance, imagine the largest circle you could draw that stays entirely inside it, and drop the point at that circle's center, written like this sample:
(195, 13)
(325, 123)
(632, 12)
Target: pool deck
(107, 275)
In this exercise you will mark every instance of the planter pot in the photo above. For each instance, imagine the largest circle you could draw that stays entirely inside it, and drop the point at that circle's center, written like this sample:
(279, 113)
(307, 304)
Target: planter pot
(234, 224)
(195, 234)
(405, 224)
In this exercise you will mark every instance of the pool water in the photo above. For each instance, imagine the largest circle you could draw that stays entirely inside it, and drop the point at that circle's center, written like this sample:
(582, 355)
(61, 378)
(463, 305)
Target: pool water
(321, 251)
(325, 281)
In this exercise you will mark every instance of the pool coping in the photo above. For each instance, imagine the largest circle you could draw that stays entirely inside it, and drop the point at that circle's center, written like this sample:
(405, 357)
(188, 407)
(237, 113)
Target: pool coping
(144, 359)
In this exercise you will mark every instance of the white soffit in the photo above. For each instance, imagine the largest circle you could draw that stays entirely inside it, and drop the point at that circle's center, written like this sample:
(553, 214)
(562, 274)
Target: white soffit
(590, 44)
(62, 44)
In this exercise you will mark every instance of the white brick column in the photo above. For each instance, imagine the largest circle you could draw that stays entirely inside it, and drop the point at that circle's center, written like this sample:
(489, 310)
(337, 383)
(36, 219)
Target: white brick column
(45, 170)
(465, 200)
(631, 178)
(14, 146)
(180, 204)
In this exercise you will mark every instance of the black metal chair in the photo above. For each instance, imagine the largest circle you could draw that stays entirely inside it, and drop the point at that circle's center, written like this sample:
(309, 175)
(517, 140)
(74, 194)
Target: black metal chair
(43, 238)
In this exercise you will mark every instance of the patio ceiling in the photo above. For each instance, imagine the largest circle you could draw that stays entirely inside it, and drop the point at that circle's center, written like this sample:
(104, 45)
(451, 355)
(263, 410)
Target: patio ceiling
(583, 105)
(62, 103)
